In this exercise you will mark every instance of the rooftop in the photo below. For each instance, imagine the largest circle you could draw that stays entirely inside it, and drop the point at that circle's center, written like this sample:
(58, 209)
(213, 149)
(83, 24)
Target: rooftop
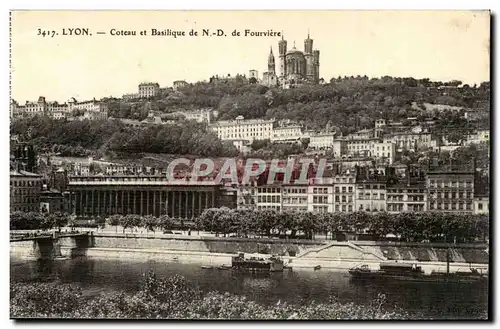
(23, 173)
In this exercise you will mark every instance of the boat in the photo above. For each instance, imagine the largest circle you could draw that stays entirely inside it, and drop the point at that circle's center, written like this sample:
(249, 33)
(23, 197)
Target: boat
(317, 267)
(225, 267)
(412, 272)
(254, 264)
(207, 267)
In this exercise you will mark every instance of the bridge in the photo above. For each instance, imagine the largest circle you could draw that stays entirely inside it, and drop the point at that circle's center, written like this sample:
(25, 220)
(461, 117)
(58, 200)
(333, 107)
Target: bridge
(51, 245)
(39, 236)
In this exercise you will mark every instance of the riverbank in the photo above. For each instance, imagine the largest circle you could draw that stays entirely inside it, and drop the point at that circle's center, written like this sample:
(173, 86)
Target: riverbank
(203, 250)
(174, 297)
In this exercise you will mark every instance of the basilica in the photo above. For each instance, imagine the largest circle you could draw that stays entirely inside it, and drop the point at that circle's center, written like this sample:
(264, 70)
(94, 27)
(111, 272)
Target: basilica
(296, 67)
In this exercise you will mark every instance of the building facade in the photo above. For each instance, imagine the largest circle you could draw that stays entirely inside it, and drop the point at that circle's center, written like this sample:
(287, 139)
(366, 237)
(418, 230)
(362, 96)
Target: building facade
(287, 134)
(344, 184)
(450, 188)
(142, 195)
(25, 189)
(148, 89)
(321, 141)
(179, 84)
(481, 204)
(243, 129)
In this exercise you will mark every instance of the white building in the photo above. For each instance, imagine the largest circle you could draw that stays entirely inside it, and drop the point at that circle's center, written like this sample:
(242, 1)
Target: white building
(255, 129)
(287, 134)
(243, 145)
(481, 204)
(179, 84)
(410, 141)
(93, 110)
(201, 115)
(148, 89)
(480, 136)
(320, 198)
(383, 150)
(321, 141)
(57, 111)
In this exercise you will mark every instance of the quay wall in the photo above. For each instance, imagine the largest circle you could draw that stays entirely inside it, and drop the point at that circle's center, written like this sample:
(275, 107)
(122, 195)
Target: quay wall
(219, 250)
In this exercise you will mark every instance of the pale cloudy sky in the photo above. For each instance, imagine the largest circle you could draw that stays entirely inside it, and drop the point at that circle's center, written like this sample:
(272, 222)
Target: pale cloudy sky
(440, 45)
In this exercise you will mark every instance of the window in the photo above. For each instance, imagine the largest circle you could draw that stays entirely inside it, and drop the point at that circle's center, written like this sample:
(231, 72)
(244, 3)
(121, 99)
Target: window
(480, 206)
(350, 189)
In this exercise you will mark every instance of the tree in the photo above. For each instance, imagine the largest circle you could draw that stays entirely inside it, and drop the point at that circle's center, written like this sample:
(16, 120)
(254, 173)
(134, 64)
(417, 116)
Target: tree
(115, 220)
(149, 223)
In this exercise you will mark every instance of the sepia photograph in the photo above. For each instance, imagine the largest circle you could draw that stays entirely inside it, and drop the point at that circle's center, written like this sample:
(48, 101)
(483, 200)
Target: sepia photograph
(250, 165)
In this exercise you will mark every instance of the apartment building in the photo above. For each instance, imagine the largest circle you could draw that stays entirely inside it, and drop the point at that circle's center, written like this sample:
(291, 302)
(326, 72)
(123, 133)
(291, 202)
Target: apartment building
(148, 89)
(321, 141)
(25, 189)
(295, 198)
(287, 134)
(269, 197)
(410, 141)
(404, 197)
(450, 188)
(344, 186)
(255, 129)
(320, 198)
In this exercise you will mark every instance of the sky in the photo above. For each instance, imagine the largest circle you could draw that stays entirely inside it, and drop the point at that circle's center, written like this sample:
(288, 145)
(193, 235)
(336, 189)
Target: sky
(440, 45)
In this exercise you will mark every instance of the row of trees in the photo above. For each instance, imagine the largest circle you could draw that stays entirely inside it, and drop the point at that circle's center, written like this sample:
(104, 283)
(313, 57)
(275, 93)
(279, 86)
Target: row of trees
(410, 227)
(176, 298)
(133, 222)
(36, 220)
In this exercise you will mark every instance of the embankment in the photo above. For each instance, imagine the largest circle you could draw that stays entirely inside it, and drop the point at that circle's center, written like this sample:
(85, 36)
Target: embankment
(218, 250)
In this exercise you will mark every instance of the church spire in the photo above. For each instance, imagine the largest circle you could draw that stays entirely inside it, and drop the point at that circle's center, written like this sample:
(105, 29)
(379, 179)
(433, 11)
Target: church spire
(308, 33)
(270, 62)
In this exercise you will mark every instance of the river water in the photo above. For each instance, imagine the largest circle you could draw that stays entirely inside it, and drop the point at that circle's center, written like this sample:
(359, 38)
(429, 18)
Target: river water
(434, 300)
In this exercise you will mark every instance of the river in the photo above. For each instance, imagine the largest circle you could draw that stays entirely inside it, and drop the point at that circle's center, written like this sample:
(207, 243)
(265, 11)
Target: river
(443, 301)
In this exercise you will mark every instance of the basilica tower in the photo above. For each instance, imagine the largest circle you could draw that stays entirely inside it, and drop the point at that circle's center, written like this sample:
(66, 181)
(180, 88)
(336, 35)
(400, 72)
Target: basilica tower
(308, 54)
(282, 56)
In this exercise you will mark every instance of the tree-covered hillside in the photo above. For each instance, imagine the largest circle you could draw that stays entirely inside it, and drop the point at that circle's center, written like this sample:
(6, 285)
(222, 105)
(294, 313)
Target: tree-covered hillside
(349, 103)
(80, 138)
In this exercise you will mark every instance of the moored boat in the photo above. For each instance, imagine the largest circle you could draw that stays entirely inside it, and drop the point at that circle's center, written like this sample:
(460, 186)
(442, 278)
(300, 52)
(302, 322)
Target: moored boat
(412, 272)
(225, 267)
(254, 264)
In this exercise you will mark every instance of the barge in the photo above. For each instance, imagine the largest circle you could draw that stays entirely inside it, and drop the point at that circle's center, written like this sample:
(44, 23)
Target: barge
(254, 264)
(412, 272)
